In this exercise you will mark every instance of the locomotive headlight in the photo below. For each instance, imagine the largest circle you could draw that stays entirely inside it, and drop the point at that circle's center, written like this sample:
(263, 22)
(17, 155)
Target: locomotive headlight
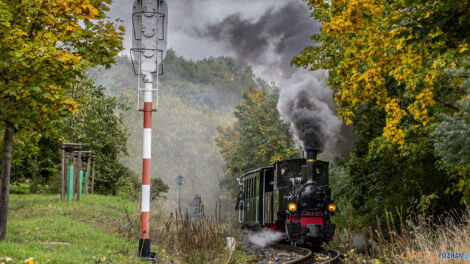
(292, 207)
(332, 207)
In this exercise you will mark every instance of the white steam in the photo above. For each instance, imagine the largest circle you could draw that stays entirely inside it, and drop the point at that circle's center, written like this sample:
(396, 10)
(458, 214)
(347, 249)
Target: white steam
(264, 238)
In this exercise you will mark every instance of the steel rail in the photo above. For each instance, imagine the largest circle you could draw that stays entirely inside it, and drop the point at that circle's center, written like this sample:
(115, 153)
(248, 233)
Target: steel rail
(331, 252)
(308, 255)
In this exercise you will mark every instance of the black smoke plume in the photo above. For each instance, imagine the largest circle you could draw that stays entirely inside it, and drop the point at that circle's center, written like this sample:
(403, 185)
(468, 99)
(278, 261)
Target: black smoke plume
(307, 103)
(305, 99)
(276, 37)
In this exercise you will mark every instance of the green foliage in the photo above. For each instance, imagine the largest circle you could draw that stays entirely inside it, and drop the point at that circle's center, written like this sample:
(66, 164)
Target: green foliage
(451, 137)
(451, 140)
(129, 184)
(257, 138)
(98, 125)
(215, 83)
(36, 161)
(159, 187)
(20, 187)
(236, 76)
(381, 175)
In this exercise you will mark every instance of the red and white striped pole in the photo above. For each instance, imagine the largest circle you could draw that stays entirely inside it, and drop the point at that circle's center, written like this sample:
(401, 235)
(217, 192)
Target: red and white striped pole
(144, 242)
(150, 24)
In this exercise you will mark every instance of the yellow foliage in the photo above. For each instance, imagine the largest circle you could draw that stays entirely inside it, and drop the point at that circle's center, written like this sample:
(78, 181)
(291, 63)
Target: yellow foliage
(376, 47)
(47, 45)
(69, 28)
(463, 48)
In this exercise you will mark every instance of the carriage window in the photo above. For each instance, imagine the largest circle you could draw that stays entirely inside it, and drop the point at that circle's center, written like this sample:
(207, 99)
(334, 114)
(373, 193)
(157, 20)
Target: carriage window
(257, 184)
(247, 188)
(254, 186)
(248, 192)
(268, 181)
(251, 188)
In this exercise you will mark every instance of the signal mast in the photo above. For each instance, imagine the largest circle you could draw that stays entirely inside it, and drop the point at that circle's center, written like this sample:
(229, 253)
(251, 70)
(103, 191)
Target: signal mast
(150, 25)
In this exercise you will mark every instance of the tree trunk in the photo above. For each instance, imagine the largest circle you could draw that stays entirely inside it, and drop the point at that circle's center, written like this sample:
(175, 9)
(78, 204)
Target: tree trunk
(93, 178)
(88, 161)
(80, 168)
(6, 169)
(63, 178)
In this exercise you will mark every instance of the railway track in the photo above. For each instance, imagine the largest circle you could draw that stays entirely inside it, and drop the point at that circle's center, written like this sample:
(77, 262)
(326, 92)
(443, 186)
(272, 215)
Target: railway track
(286, 254)
(325, 256)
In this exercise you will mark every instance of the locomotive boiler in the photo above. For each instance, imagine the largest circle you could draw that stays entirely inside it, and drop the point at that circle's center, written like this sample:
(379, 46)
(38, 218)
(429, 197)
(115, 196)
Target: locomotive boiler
(293, 197)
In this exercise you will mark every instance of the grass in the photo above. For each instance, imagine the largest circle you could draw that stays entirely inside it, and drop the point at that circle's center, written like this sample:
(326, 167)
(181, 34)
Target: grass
(105, 229)
(96, 228)
(413, 241)
(199, 240)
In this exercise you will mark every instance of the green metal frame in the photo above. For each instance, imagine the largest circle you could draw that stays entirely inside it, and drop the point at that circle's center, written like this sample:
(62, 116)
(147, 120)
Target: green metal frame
(70, 183)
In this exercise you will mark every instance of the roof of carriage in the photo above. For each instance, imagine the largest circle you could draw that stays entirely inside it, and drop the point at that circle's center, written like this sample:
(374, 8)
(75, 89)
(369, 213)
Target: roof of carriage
(256, 170)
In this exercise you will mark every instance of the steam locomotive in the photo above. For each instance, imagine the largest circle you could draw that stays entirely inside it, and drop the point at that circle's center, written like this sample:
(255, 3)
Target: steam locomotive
(293, 197)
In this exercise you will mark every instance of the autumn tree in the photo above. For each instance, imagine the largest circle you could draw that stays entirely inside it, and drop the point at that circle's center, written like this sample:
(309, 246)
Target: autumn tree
(257, 138)
(44, 47)
(389, 64)
(392, 54)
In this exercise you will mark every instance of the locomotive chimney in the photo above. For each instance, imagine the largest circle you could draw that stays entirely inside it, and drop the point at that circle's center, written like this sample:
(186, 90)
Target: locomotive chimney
(311, 158)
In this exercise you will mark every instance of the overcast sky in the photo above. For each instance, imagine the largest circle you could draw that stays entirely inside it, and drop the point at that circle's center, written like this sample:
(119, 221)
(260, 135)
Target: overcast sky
(187, 17)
